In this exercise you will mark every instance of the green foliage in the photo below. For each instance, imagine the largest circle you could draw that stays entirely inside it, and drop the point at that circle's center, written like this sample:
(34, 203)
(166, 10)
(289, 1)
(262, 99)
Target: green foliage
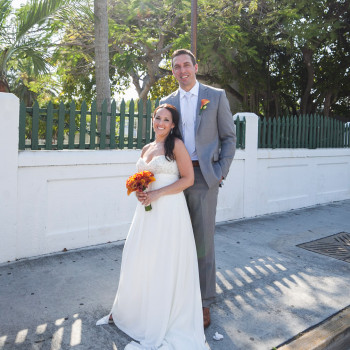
(275, 57)
(26, 40)
(164, 87)
(144, 32)
(285, 55)
(5, 10)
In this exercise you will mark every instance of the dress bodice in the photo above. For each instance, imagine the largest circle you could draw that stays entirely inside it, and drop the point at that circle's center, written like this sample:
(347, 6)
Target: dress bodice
(158, 165)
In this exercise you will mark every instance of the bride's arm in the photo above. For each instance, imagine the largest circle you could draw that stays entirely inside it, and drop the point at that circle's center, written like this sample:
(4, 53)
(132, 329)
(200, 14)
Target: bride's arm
(186, 179)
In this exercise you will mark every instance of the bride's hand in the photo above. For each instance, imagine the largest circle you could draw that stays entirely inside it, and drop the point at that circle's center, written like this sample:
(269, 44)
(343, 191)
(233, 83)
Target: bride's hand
(141, 196)
(150, 197)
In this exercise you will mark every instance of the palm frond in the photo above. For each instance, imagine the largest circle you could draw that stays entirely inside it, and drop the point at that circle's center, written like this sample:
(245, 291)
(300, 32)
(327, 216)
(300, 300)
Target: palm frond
(79, 9)
(37, 12)
(5, 9)
(37, 58)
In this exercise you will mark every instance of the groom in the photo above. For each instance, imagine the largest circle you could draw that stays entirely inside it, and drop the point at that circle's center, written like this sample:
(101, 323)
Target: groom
(208, 130)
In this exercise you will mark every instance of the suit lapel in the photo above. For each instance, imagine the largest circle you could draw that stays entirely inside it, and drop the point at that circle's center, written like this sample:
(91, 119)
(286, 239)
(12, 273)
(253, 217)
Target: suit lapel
(176, 100)
(202, 94)
(176, 103)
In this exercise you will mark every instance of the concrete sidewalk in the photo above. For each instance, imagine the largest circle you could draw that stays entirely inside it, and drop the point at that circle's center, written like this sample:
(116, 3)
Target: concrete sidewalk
(268, 288)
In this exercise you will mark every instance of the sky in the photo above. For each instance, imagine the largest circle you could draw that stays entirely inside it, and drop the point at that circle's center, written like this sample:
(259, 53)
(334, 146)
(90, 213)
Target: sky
(17, 3)
(127, 95)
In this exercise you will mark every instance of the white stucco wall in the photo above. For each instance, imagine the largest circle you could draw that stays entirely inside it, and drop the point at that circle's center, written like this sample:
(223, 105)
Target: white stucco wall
(70, 199)
(9, 112)
(51, 200)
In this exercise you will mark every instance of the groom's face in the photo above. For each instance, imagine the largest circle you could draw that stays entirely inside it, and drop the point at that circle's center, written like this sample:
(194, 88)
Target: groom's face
(185, 71)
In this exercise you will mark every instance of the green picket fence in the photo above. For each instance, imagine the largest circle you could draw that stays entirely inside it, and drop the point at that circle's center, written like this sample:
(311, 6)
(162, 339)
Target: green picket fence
(67, 128)
(60, 128)
(306, 131)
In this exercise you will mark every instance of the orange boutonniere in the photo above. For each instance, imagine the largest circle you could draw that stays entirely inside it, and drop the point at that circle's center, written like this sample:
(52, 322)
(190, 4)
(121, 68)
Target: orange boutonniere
(204, 103)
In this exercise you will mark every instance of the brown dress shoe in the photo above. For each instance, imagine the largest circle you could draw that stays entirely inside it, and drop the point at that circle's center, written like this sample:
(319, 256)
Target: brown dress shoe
(206, 317)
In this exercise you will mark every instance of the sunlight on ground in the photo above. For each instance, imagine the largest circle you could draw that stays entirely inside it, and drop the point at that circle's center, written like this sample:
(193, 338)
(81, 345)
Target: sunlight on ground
(75, 337)
(57, 338)
(229, 279)
(75, 330)
(251, 271)
(234, 279)
(281, 267)
(243, 275)
(271, 268)
(262, 270)
(3, 340)
(21, 336)
(260, 291)
(41, 328)
(59, 322)
(224, 281)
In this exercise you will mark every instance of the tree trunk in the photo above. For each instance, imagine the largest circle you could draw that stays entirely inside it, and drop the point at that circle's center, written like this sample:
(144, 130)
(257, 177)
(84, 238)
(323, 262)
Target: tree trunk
(103, 89)
(329, 99)
(306, 102)
(277, 104)
(4, 86)
(327, 103)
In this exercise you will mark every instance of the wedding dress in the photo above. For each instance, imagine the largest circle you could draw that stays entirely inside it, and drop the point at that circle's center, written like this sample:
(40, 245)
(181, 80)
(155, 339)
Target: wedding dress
(158, 301)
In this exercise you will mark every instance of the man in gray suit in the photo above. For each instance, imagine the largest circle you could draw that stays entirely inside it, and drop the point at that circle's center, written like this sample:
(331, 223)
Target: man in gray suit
(208, 130)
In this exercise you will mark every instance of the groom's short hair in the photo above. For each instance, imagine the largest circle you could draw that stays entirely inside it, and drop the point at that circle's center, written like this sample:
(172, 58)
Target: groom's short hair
(183, 52)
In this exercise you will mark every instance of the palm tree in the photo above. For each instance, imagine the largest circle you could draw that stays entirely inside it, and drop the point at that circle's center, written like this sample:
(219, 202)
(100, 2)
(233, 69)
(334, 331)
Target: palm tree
(103, 89)
(5, 9)
(25, 35)
(101, 52)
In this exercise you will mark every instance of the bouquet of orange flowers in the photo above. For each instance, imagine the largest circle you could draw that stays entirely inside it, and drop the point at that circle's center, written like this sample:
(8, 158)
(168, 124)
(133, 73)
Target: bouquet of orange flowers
(139, 182)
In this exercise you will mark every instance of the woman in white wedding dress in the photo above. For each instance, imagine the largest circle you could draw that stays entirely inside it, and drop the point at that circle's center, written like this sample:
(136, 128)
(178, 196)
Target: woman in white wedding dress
(158, 302)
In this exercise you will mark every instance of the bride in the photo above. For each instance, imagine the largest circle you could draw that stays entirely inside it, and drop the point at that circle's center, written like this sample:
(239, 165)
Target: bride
(158, 302)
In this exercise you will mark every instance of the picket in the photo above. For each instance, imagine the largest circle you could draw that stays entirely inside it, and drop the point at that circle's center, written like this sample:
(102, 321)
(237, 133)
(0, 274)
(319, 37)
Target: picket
(122, 125)
(49, 124)
(139, 124)
(60, 129)
(131, 125)
(35, 126)
(22, 126)
(306, 131)
(112, 141)
(82, 130)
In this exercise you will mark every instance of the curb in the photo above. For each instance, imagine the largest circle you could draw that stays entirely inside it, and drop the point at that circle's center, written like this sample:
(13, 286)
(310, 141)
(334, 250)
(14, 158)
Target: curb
(331, 334)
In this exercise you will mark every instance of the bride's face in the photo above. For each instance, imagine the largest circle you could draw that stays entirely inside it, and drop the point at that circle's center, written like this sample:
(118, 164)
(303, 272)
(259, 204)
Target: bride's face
(162, 122)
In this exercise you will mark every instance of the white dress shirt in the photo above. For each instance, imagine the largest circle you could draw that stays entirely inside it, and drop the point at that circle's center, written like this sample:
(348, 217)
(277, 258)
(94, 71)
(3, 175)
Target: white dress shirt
(188, 105)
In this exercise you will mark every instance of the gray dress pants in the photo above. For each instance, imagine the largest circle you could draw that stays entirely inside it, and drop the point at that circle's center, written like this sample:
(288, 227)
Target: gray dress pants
(201, 202)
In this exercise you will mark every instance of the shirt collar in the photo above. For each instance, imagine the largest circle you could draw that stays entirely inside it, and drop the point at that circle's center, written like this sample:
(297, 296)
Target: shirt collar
(193, 91)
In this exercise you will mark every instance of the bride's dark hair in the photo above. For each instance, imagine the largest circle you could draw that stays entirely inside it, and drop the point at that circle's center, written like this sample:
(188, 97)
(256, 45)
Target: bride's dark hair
(169, 142)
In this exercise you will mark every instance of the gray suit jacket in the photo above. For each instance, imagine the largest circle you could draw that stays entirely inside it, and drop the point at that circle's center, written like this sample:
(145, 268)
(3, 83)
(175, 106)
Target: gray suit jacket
(215, 132)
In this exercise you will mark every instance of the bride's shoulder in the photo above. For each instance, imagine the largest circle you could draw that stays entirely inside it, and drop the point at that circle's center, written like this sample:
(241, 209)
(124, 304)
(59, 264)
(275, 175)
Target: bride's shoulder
(144, 149)
(178, 142)
(179, 145)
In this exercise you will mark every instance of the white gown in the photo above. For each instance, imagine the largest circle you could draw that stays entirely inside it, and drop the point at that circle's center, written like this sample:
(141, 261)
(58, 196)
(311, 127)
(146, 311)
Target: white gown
(158, 301)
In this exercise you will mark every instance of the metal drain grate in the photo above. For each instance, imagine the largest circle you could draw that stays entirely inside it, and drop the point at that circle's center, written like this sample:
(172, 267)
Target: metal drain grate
(336, 246)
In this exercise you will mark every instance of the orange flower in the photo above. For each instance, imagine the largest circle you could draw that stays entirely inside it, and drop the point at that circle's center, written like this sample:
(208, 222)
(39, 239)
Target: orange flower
(139, 182)
(204, 103)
